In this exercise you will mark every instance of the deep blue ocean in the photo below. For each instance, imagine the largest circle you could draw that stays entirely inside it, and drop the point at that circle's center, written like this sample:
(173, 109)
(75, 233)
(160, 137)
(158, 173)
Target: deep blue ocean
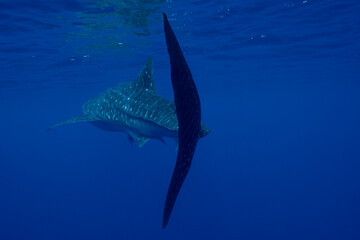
(279, 83)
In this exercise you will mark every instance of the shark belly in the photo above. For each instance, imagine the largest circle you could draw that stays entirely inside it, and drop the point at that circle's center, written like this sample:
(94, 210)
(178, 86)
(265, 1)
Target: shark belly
(135, 127)
(151, 130)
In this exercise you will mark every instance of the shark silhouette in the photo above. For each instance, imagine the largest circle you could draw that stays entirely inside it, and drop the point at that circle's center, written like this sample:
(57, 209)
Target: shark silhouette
(133, 108)
(188, 113)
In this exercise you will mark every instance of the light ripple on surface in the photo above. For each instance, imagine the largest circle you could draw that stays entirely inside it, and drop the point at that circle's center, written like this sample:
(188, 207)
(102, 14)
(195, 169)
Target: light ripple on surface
(38, 36)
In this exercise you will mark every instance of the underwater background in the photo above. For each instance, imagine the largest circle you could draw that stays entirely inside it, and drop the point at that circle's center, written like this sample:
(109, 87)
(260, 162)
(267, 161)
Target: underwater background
(279, 83)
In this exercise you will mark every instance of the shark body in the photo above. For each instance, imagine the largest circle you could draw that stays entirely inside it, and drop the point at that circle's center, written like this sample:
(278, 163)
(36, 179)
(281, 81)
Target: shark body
(133, 108)
(136, 109)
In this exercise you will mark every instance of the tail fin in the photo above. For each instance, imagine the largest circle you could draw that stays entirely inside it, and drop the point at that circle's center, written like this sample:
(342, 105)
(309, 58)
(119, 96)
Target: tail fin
(81, 118)
(188, 112)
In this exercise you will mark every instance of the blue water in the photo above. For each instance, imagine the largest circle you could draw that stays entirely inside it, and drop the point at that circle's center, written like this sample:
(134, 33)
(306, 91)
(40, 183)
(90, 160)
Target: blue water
(279, 83)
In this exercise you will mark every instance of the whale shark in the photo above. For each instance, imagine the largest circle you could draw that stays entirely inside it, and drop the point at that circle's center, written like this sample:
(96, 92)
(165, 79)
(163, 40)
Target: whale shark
(133, 108)
(188, 112)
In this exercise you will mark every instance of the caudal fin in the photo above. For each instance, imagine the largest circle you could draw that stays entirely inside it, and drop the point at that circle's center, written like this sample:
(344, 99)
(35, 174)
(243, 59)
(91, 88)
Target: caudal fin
(188, 112)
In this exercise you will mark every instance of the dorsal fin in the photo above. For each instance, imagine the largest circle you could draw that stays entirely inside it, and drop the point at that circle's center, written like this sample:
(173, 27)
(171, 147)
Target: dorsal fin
(145, 80)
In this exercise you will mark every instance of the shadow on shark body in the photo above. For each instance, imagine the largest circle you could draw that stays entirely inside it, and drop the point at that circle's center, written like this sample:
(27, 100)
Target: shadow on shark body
(133, 108)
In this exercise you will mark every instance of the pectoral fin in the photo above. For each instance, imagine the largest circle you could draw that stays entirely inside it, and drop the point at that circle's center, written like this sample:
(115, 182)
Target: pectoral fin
(81, 118)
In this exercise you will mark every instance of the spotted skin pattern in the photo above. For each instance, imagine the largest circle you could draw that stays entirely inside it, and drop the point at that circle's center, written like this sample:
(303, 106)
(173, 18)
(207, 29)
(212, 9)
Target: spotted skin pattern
(133, 108)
